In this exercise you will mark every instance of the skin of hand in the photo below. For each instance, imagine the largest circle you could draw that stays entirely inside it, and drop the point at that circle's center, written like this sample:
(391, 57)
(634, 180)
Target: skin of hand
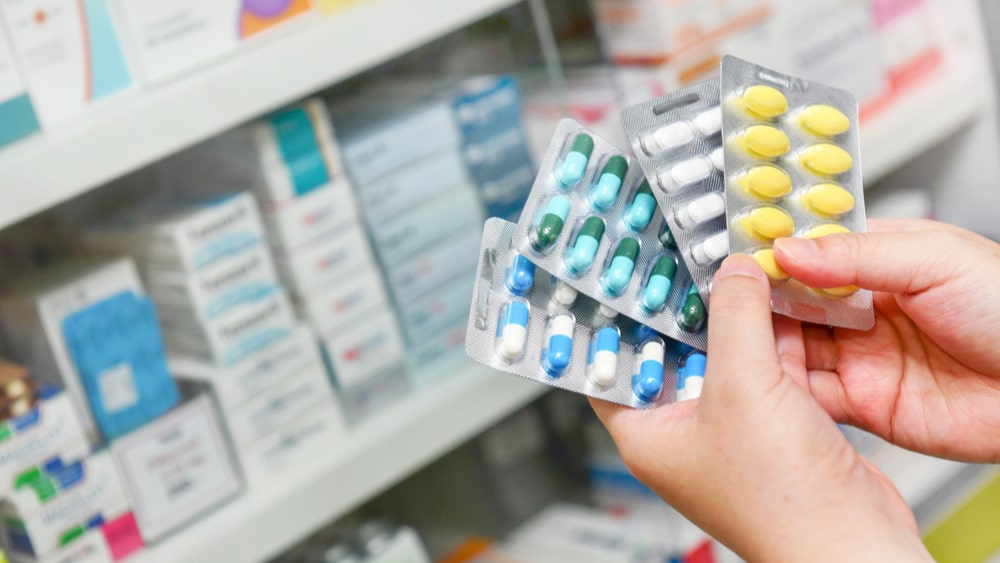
(756, 461)
(927, 377)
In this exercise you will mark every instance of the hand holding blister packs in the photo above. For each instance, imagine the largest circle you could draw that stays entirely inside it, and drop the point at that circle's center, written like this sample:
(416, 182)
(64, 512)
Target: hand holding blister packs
(525, 322)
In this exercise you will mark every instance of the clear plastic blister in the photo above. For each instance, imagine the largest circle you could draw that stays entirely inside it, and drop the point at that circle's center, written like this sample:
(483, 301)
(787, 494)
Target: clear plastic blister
(526, 322)
(678, 144)
(792, 162)
(591, 219)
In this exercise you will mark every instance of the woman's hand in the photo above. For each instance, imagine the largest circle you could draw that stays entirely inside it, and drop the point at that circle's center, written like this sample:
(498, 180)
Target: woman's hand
(927, 377)
(757, 462)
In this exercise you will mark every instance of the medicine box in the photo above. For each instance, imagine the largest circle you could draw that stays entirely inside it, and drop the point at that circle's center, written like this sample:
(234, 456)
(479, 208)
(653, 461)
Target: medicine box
(364, 349)
(109, 541)
(339, 303)
(16, 112)
(402, 190)
(436, 356)
(427, 316)
(330, 258)
(431, 268)
(298, 221)
(297, 443)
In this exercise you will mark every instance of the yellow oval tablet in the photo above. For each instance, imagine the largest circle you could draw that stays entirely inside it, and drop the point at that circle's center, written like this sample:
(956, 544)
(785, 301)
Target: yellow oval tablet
(765, 182)
(765, 258)
(764, 101)
(845, 291)
(768, 223)
(830, 200)
(824, 120)
(826, 159)
(825, 229)
(765, 141)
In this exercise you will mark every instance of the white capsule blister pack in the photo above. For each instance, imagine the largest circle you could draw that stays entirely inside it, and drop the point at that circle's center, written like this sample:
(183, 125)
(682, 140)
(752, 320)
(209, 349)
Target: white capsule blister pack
(526, 322)
(793, 168)
(592, 221)
(678, 144)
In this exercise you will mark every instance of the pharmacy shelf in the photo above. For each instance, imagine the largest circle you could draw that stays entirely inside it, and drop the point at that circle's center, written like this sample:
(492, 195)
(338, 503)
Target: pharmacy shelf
(373, 456)
(290, 62)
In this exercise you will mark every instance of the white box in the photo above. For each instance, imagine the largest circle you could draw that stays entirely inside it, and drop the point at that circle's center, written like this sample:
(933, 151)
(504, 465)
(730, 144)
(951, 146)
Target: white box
(410, 186)
(364, 349)
(330, 258)
(113, 540)
(235, 385)
(331, 307)
(406, 235)
(316, 430)
(427, 316)
(305, 218)
(434, 266)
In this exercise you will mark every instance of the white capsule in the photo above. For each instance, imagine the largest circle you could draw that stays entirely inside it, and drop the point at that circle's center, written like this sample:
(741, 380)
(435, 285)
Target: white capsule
(604, 368)
(667, 138)
(564, 294)
(718, 158)
(712, 249)
(686, 173)
(607, 312)
(709, 122)
(701, 210)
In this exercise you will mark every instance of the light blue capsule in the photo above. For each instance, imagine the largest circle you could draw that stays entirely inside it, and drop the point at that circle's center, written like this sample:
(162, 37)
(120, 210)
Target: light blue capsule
(604, 193)
(574, 166)
(618, 276)
(581, 257)
(640, 213)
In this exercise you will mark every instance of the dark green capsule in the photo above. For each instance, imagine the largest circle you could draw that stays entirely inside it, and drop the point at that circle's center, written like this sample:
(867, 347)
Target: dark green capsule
(692, 315)
(667, 238)
(665, 266)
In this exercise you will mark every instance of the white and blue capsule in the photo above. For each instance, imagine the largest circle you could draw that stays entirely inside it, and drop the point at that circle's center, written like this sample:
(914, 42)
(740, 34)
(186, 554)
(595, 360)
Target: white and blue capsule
(512, 331)
(648, 382)
(602, 360)
(558, 349)
(572, 169)
(691, 377)
(520, 275)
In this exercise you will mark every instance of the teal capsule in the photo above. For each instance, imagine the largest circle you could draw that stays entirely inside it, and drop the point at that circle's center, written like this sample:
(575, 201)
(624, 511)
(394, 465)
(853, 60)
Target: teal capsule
(640, 212)
(661, 279)
(581, 256)
(691, 316)
(667, 238)
(604, 193)
(619, 273)
(551, 225)
(574, 166)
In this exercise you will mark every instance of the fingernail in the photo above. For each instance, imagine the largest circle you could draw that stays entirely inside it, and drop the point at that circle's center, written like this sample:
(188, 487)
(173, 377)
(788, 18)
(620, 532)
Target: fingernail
(797, 248)
(740, 265)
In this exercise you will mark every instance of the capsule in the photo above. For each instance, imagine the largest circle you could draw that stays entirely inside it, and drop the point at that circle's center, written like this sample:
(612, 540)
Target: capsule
(602, 361)
(765, 258)
(765, 141)
(667, 237)
(764, 101)
(512, 331)
(584, 250)
(691, 377)
(765, 182)
(574, 166)
(558, 345)
(520, 275)
(657, 290)
(551, 225)
(829, 200)
(648, 383)
(712, 249)
(824, 120)
(691, 171)
(564, 294)
(619, 273)
(691, 316)
(607, 312)
(604, 193)
(640, 211)
(768, 223)
(700, 210)
(826, 159)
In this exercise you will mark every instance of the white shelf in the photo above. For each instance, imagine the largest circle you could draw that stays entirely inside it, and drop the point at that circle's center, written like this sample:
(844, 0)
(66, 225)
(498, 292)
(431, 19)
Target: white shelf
(375, 455)
(287, 64)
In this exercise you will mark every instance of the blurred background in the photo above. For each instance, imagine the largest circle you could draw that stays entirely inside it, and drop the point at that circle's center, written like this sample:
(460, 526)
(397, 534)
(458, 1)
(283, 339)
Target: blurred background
(238, 239)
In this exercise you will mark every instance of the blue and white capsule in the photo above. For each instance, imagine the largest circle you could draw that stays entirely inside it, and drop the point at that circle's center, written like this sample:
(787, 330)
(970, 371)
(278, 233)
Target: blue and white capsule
(640, 212)
(648, 382)
(604, 193)
(558, 350)
(602, 361)
(691, 377)
(512, 331)
(520, 275)
(573, 168)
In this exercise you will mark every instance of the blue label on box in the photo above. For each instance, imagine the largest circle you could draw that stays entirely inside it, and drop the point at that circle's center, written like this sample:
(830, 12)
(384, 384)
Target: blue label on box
(18, 118)
(300, 150)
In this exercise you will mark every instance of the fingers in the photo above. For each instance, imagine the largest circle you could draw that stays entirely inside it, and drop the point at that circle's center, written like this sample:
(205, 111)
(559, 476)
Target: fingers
(791, 349)
(829, 391)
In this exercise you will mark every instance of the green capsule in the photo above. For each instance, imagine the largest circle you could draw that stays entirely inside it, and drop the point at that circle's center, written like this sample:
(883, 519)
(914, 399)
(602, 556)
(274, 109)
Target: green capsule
(574, 166)
(692, 316)
(551, 225)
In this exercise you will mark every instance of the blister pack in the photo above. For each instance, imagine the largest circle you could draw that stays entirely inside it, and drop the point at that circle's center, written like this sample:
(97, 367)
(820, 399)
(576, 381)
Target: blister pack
(526, 322)
(793, 168)
(591, 220)
(678, 144)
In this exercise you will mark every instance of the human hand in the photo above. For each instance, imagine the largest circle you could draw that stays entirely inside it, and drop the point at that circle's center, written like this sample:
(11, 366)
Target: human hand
(927, 377)
(757, 462)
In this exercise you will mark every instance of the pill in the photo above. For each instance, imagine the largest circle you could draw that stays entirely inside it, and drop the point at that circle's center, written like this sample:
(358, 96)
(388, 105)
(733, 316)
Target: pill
(649, 381)
(607, 312)
(700, 210)
(619, 272)
(666, 138)
(764, 101)
(686, 173)
(768, 223)
(513, 331)
(765, 258)
(520, 275)
(712, 249)
(574, 166)
(764, 141)
(691, 317)
(661, 279)
(826, 159)
(640, 211)
(765, 182)
(667, 237)
(552, 222)
(588, 240)
(564, 294)
(718, 158)
(843, 291)
(826, 229)
(830, 200)
(604, 193)
(824, 120)
(709, 122)
(693, 380)
(559, 345)
(602, 361)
